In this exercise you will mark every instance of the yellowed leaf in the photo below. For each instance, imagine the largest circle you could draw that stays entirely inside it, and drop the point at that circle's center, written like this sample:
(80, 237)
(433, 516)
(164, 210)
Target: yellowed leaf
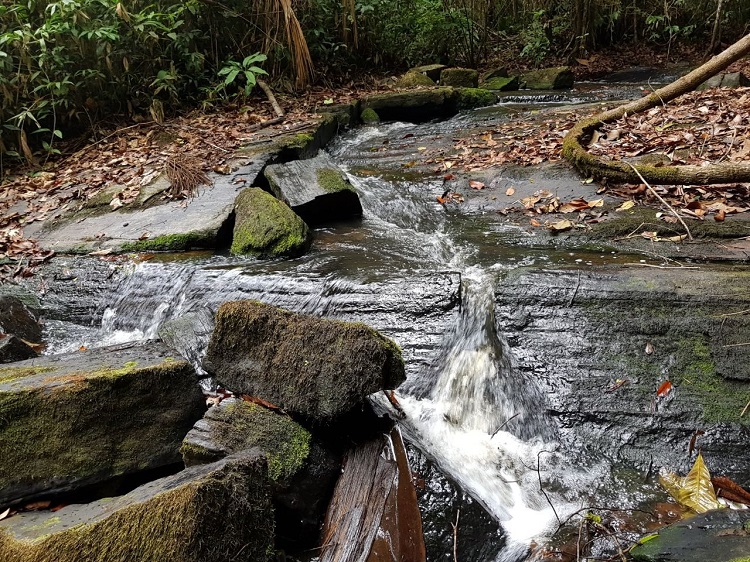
(625, 206)
(560, 226)
(694, 490)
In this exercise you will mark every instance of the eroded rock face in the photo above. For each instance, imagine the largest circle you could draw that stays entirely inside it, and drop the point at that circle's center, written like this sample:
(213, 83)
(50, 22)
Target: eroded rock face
(316, 189)
(72, 420)
(218, 512)
(320, 369)
(266, 227)
(413, 106)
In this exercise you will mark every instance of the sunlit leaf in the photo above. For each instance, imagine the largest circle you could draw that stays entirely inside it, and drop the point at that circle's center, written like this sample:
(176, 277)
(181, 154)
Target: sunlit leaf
(664, 389)
(510, 191)
(694, 490)
(625, 206)
(475, 184)
(560, 226)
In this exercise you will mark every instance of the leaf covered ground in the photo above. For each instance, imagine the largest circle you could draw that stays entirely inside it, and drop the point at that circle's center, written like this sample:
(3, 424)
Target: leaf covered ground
(699, 128)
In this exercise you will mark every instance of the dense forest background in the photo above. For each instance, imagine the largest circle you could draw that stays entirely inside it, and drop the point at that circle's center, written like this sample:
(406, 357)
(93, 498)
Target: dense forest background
(65, 64)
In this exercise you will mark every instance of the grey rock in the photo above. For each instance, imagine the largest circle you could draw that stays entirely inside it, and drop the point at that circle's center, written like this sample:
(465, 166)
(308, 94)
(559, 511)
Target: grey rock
(316, 189)
(14, 349)
(432, 71)
(413, 106)
(17, 319)
(189, 335)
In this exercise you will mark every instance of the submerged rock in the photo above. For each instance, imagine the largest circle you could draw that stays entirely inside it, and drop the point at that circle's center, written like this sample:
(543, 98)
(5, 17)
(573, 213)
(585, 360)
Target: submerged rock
(218, 512)
(459, 77)
(719, 536)
(266, 227)
(317, 368)
(82, 418)
(556, 78)
(316, 189)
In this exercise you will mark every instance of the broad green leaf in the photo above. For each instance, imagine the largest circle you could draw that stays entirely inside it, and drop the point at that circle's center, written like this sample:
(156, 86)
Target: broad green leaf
(231, 76)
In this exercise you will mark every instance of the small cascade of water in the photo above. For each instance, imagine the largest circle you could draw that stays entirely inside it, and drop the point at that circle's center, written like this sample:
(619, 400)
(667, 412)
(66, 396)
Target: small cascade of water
(483, 423)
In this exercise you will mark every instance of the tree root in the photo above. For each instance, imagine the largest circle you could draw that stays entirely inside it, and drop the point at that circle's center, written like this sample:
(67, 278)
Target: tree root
(575, 152)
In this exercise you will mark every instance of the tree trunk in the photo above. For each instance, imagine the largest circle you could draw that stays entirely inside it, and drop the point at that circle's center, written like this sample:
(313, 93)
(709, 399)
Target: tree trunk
(575, 152)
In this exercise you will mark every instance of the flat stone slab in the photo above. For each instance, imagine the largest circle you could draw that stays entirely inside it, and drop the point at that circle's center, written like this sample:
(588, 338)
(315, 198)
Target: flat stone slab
(720, 536)
(219, 512)
(317, 368)
(81, 418)
(316, 189)
(173, 225)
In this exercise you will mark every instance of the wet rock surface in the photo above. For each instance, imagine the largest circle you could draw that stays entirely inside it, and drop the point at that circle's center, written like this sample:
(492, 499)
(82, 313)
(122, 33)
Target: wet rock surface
(601, 342)
(77, 419)
(320, 369)
(14, 349)
(719, 536)
(316, 189)
(17, 319)
(218, 512)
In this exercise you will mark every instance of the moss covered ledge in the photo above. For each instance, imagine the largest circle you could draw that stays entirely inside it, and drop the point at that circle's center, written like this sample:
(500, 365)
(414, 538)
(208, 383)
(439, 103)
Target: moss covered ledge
(81, 418)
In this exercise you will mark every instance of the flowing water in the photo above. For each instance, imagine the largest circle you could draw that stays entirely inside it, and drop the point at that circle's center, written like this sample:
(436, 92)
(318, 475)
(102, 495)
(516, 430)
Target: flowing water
(425, 278)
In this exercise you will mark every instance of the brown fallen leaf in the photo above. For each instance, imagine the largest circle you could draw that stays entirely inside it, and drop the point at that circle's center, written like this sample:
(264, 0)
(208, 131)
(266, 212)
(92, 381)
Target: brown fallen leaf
(561, 226)
(260, 402)
(510, 191)
(475, 184)
(664, 389)
(730, 490)
(720, 215)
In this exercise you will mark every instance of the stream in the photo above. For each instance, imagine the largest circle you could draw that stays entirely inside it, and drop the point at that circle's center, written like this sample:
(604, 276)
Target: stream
(424, 276)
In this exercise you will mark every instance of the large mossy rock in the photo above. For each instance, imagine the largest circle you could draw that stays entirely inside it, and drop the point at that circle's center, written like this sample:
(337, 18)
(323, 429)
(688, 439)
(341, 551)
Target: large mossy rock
(501, 84)
(459, 77)
(320, 369)
(266, 227)
(414, 106)
(471, 98)
(316, 189)
(218, 512)
(432, 71)
(302, 469)
(413, 80)
(72, 420)
(556, 78)
(719, 536)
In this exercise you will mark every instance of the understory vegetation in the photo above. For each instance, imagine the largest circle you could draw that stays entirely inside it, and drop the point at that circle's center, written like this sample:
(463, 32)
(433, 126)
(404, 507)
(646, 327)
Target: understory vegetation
(66, 64)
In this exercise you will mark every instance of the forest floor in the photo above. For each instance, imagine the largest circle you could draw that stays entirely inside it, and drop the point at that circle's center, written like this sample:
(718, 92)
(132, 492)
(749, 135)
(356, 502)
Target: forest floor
(698, 128)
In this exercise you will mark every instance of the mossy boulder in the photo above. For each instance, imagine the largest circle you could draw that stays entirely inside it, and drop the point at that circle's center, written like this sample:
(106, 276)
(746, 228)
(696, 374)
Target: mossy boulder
(369, 116)
(303, 470)
(555, 78)
(236, 425)
(320, 369)
(266, 227)
(414, 79)
(470, 98)
(316, 189)
(345, 114)
(459, 77)
(17, 319)
(719, 536)
(501, 84)
(219, 512)
(500, 72)
(73, 420)
(432, 71)
(412, 106)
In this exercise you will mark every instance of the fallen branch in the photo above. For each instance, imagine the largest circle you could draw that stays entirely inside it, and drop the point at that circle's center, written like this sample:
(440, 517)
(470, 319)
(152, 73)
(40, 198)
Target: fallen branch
(575, 152)
(269, 94)
(455, 537)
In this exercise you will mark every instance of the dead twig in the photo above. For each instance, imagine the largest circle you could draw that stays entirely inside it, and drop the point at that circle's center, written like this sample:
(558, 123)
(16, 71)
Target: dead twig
(736, 344)
(663, 202)
(269, 94)
(455, 536)
(502, 425)
(575, 292)
(541, 486)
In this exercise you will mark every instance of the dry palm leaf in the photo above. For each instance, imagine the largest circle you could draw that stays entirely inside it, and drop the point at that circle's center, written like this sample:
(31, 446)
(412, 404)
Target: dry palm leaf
(185, 176)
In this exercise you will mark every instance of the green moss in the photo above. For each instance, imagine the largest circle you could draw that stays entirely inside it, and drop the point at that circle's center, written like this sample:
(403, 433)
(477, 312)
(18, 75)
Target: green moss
(369, 116)
(469, 98)
(501, 84)
(300, 140)
(414, 79)
(75, 426)
(220, 517)
(172, 242)
(242, 425)
(331, 181)
(459, 77)
(8, 374)
(266, 227)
